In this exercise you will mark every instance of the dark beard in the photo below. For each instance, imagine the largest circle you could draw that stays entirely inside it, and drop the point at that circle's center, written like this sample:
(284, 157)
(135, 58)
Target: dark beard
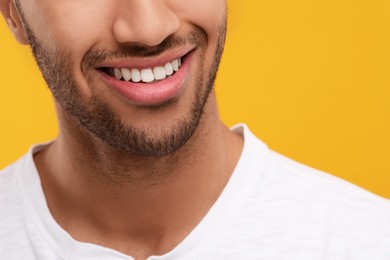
(98, 118)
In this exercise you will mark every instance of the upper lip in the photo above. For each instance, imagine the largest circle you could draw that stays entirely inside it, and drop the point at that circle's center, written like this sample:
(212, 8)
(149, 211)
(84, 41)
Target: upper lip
(147, 62)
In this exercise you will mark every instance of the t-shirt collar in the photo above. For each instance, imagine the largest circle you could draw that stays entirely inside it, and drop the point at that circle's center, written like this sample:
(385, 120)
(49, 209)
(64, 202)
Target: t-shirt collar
(196, 244)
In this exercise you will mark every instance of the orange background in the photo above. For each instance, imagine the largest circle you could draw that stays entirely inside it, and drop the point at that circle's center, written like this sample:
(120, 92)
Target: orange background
(311, 79)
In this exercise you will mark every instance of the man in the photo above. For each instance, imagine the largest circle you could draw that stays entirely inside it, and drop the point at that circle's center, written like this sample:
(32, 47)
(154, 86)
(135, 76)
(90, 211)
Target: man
(143, 168)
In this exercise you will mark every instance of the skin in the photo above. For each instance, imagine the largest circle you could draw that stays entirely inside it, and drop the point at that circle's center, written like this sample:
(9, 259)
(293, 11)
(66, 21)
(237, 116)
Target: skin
(139, 202)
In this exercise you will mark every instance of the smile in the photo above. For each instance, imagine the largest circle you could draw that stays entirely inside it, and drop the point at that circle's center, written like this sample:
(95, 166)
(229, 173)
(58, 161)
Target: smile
(148, 75)
(148, 81)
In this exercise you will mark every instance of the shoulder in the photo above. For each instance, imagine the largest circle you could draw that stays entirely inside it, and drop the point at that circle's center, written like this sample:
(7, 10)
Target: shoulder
(17, 227)
(8, 184)
(301, 208)
(10, 192)
(300, 202)
(14, 179)
(302, 179)
(303, 203)
(297, 183)
(11, 213)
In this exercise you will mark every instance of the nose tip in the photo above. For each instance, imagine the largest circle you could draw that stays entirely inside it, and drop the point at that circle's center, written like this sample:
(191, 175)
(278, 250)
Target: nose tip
(149, 24)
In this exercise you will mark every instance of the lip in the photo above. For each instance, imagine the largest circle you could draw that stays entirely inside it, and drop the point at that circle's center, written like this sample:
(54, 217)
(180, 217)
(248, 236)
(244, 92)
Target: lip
(150, 93)
(148, 62)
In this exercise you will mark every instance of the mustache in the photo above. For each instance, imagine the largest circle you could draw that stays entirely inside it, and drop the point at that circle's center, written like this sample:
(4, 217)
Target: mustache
(94, 57)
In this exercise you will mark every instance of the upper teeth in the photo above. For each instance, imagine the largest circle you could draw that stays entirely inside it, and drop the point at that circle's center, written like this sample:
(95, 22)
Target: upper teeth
(147, 75)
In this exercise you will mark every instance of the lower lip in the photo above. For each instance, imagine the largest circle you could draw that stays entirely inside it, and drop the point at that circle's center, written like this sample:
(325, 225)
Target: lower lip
(151, 93)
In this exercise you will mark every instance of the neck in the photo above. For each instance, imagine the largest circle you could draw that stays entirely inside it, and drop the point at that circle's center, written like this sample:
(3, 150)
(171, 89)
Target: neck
(151, 203)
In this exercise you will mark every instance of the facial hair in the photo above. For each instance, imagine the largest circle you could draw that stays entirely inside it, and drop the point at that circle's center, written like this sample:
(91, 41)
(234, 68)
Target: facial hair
(98, 118)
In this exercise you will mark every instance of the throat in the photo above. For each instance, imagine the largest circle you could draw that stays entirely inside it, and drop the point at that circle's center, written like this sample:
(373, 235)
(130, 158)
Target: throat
(95, 192)
(153, 210)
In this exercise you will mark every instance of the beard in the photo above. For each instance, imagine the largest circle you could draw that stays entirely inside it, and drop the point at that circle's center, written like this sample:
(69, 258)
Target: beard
(98, 118)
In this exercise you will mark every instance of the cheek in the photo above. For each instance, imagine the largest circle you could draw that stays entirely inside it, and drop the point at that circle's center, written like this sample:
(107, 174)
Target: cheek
(206, 14)
(69, 25)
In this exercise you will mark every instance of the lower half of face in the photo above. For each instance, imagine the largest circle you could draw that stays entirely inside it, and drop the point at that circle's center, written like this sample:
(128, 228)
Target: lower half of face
(151, 119)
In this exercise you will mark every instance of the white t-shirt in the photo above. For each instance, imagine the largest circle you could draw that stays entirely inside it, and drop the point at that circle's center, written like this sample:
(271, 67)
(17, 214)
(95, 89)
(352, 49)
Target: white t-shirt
(272, 208)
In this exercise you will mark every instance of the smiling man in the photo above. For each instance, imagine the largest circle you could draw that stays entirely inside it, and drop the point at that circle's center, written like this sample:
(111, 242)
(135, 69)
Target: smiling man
(143, 168)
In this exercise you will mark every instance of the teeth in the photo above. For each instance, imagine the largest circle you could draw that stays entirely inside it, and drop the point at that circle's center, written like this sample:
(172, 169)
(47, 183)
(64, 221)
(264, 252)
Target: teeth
(168, 69)
(147, 75)
(126, 73)
(175, 65)
(136, 75)
(117, 73)
(159, 73)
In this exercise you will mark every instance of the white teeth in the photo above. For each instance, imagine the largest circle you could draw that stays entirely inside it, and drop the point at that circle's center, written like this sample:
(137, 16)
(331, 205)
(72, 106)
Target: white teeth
(175, 65)
(147, 75)
(135, 75)
(126, 73)
(168, 69)
(159, 73)
(117, 73)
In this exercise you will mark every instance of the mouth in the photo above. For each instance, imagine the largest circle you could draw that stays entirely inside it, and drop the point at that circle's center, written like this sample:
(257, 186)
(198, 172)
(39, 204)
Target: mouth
(146, 75)
(148, 81)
